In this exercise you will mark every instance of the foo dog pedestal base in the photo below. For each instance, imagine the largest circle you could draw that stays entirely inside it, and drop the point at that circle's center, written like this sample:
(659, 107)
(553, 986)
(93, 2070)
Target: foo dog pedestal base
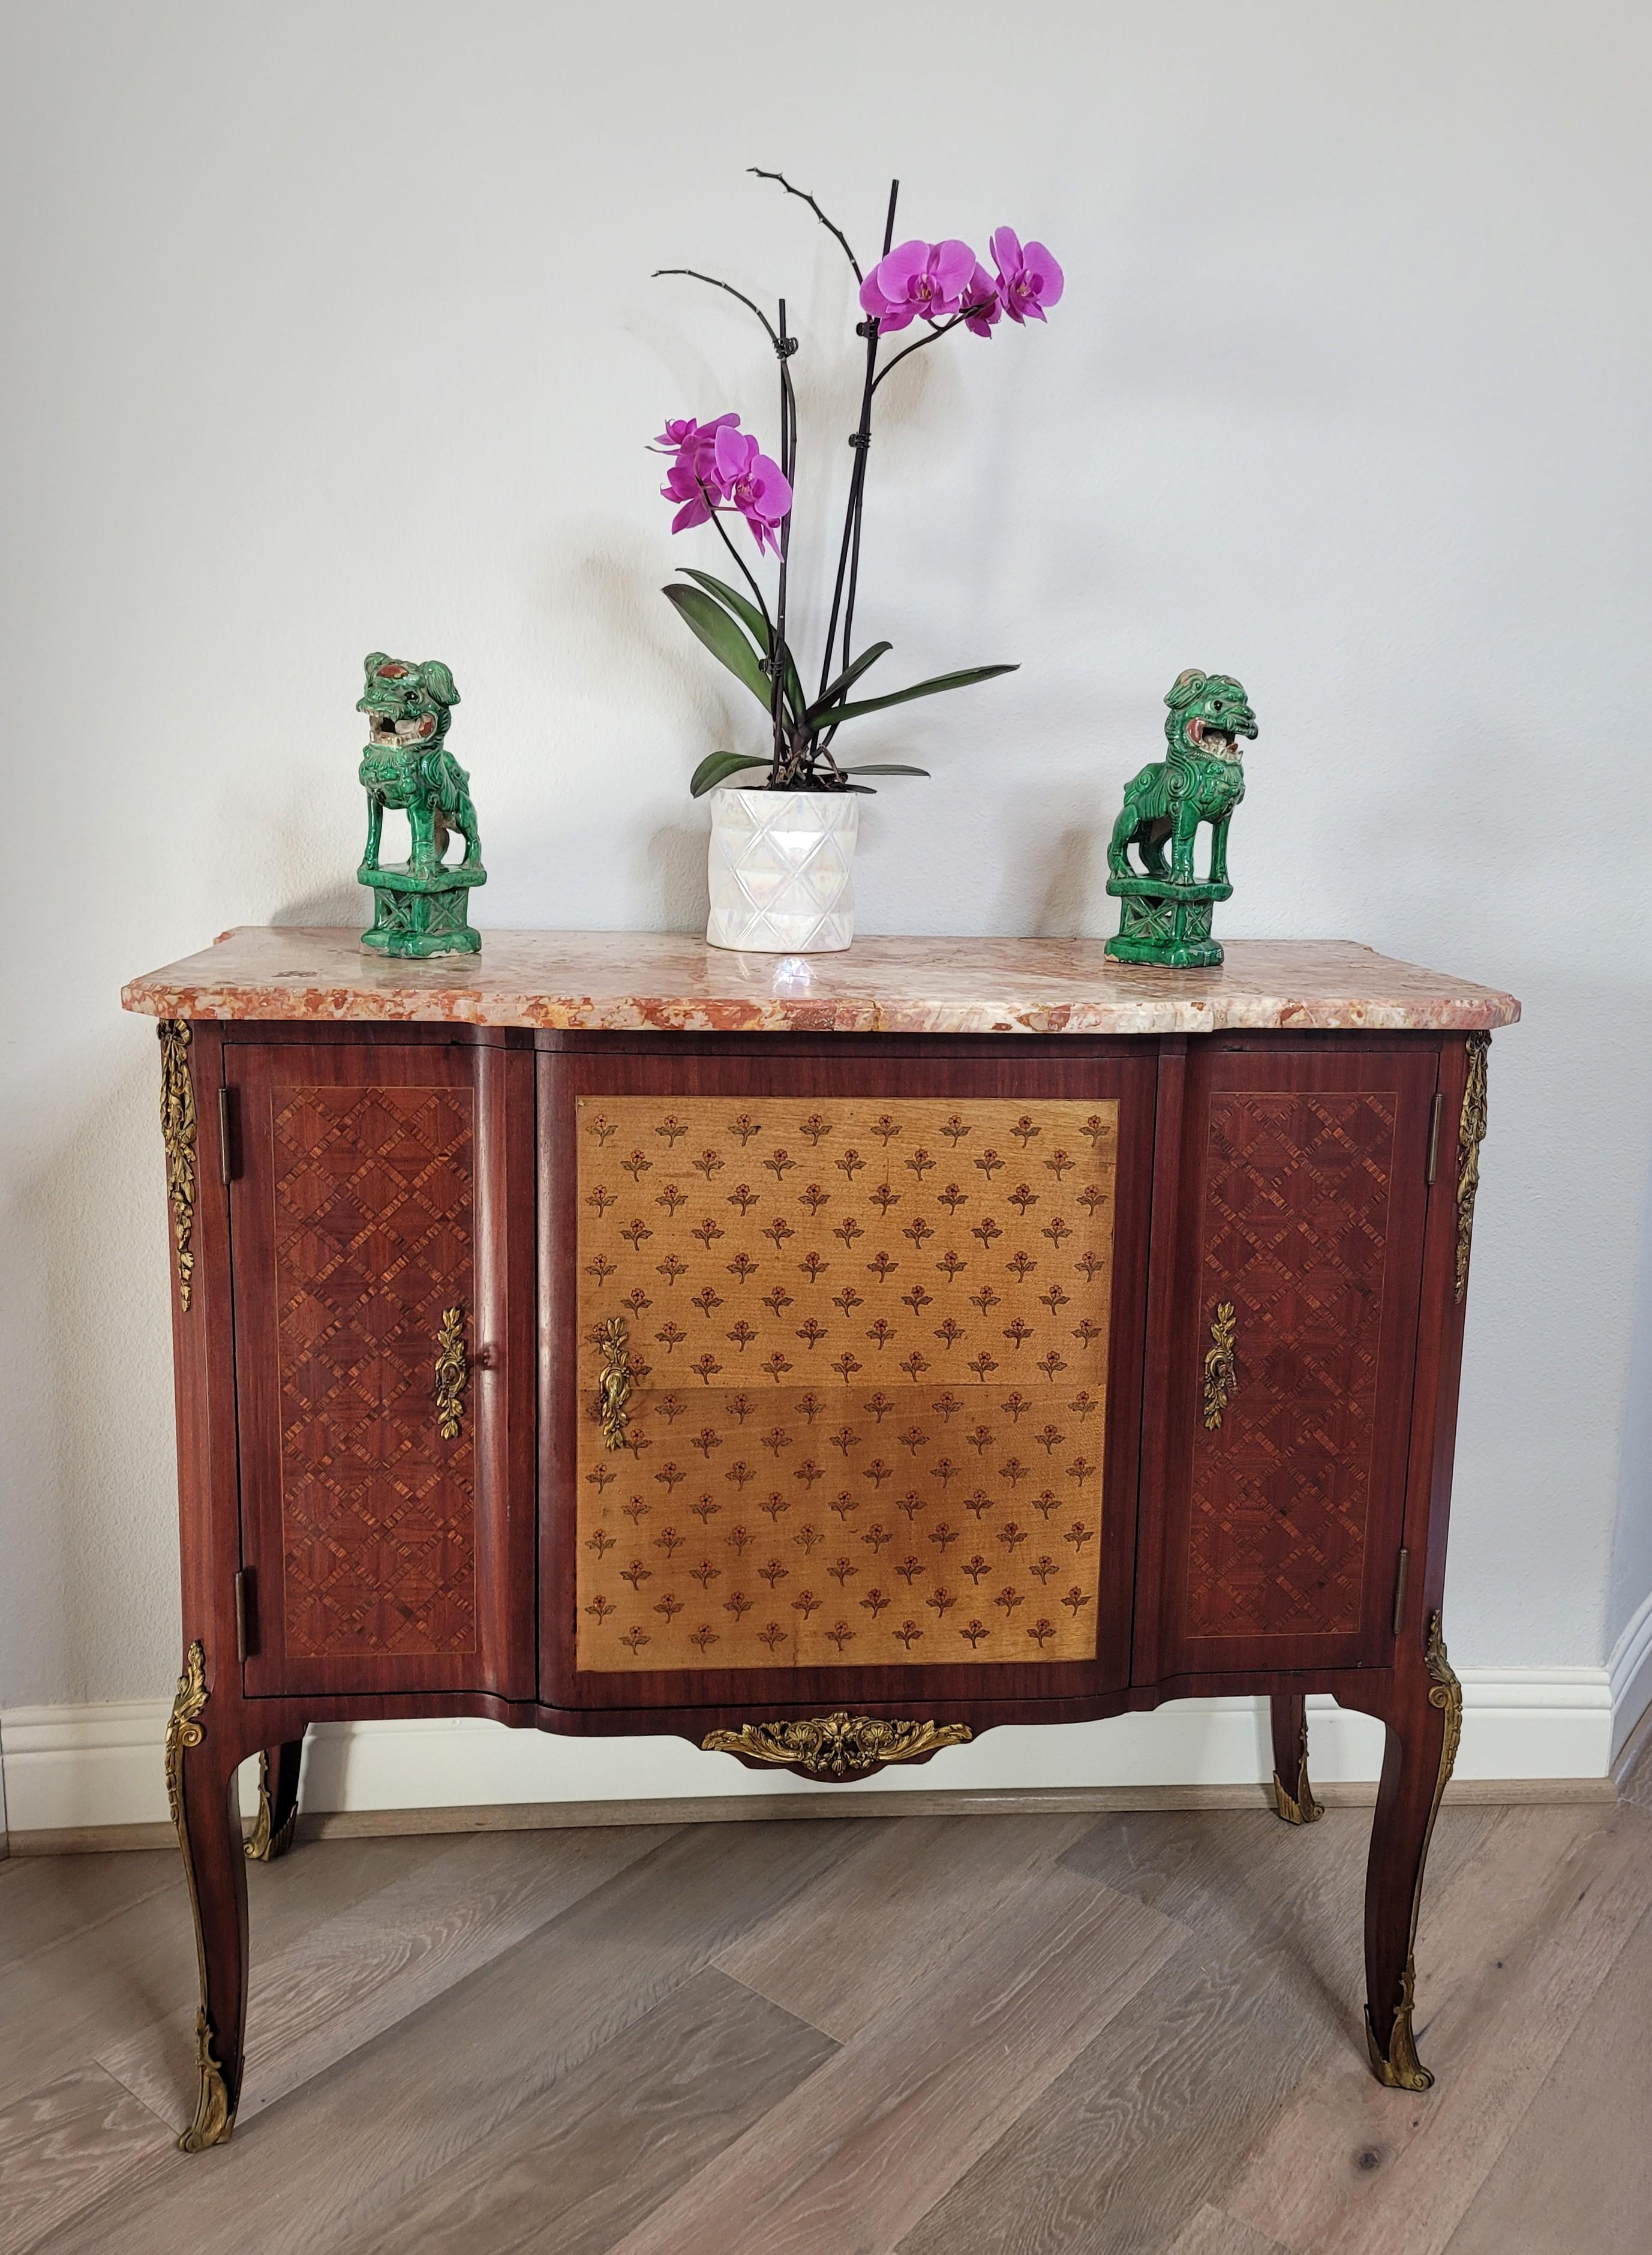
(421, 916)
(1164, 923)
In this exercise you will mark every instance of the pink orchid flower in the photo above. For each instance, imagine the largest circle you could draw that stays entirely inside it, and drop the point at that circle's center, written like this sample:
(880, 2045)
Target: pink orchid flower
(981, 305)
(1028, 279)
(918, 278)
(685, 433)
(752, 484)
(693, 481)
(695, 486)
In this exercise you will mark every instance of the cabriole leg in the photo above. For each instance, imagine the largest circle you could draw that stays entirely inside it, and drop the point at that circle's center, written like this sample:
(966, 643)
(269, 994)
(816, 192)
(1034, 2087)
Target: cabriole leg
(1293, 1794)
(201, 1791)
(272, 1835)
(1424, 1729)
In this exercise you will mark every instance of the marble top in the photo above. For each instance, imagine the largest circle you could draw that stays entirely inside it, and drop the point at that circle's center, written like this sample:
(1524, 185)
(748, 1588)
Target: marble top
(671, 982)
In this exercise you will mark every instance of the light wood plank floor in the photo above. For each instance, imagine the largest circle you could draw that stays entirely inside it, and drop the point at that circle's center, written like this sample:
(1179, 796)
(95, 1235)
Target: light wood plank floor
(1137, 2035)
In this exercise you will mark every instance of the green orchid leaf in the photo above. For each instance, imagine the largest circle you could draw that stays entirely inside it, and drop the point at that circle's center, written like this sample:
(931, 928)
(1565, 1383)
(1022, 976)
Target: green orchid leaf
(756, 625)
(880, 766)
(919, 689)
(722, 637)
(746, 611)
(717, 767)
(847, 680)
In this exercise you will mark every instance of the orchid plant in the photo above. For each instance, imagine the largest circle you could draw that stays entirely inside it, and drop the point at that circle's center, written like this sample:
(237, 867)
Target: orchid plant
(719, 471)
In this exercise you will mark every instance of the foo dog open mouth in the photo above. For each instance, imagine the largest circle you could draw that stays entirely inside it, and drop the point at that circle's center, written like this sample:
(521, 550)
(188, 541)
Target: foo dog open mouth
(1217, 743)
(1219, 739)
(390, 733)
(406, 706)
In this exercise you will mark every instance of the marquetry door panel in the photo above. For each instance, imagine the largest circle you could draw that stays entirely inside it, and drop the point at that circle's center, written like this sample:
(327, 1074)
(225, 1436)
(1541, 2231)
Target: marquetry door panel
(1304, 1178)
(863, 1336)
(382, 1193)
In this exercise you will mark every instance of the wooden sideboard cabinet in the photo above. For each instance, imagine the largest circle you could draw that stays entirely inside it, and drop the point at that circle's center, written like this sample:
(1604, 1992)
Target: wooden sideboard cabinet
(824, 1361)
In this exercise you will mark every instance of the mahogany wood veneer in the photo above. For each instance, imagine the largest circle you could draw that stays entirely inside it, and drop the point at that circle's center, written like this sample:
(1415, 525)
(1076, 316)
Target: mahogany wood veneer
(826, 1397)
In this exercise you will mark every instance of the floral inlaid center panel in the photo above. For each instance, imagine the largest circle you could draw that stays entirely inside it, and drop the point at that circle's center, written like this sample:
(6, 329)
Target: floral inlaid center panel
(867, 1349)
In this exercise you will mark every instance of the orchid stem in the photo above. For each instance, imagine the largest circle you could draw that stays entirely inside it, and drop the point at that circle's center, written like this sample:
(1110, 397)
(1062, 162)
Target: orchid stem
(778, 634)
(857, 481)
(860, 498)
(740, 562)
(693, 275)
(934, 337)
(831, 226)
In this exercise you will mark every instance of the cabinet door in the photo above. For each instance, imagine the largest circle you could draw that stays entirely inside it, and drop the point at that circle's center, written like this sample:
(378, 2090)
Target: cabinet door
(1304, 1185)
(871, 1327)
(381, 1226)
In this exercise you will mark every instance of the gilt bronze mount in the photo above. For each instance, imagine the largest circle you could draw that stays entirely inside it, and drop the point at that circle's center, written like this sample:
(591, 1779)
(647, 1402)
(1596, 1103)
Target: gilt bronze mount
(837, 1746)
(453, 1373)
(178, 1135)
(1221, 1370)
(614, 1388)
(1296, 1804)
(267, 1839)
(1395, 2063)
(214, 2117)
(1471, 1134)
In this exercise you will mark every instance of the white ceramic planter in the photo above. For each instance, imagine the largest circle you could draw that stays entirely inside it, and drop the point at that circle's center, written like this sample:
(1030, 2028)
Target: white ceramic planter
(782, 869)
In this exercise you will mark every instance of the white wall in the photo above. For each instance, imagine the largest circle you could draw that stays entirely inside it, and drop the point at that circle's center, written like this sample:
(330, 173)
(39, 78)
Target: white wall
(330, 327)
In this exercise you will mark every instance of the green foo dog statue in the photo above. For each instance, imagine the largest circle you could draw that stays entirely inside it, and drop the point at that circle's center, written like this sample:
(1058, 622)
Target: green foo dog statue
(420, 909)
(1165, 912)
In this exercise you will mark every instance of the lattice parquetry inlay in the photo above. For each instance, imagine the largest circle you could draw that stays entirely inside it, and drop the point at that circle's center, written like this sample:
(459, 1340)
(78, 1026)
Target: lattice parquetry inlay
(373, 1240)
(1294, 1227)
(868, 1342)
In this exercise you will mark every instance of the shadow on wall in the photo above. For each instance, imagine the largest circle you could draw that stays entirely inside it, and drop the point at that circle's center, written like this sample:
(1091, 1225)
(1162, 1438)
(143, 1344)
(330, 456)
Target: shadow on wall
(1053, 867)
(341, 904)
(89, 1498)
(604, 622)
(676, 857)
(1070, 883)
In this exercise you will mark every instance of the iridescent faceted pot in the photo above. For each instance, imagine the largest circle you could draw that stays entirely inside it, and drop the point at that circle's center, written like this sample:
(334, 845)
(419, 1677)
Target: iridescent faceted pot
(781, 871)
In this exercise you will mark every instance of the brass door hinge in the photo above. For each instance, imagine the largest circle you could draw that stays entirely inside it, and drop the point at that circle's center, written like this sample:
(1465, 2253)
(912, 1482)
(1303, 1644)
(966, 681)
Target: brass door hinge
(1434, 1137)
(245, 1617)
(1400, 1579)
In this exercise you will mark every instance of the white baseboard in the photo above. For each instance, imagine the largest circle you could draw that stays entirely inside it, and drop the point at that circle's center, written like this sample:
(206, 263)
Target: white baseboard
(66, 1768)
(1629, 1669)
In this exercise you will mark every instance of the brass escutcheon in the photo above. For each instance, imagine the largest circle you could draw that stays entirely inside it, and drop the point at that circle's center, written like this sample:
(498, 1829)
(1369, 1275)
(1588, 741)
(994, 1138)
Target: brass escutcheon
(614, 1388)
(1221, 1370)
(453, 1373)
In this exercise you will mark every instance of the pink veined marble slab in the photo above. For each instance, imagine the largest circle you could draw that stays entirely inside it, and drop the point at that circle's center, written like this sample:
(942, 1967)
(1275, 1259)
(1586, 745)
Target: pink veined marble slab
(670, 982)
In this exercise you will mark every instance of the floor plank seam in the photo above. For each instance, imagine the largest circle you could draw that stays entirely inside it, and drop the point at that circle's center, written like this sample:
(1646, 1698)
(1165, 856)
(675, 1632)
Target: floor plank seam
(1206, 1968)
